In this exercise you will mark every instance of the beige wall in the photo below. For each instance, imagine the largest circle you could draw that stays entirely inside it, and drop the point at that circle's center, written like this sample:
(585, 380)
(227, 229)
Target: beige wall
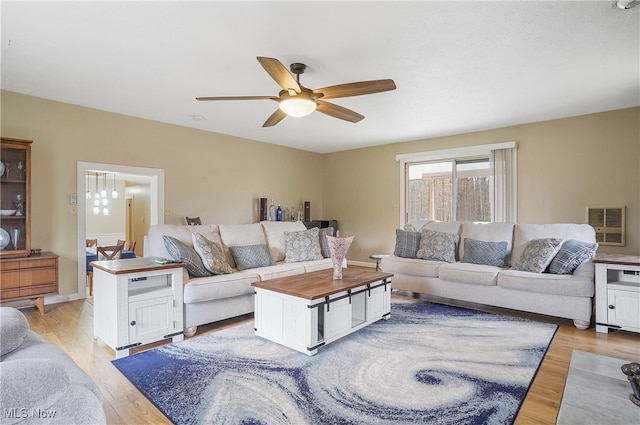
(564, 166)
(216, 177)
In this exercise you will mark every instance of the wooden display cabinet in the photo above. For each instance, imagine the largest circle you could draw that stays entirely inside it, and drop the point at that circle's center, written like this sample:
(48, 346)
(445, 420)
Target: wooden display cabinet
(24, 279)
(15, 195)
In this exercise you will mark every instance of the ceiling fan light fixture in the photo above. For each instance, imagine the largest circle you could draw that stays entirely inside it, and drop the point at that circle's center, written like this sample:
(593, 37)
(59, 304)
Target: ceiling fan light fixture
(298, 106)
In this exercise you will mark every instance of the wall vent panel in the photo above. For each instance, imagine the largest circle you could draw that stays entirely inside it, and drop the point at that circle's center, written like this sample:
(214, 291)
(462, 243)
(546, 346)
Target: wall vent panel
(609, 224)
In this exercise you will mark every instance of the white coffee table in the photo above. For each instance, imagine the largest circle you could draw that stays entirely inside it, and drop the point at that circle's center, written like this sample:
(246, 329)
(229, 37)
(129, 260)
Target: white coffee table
(306, 311)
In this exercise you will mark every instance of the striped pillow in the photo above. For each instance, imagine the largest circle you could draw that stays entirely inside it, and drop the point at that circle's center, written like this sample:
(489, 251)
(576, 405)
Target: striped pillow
(572, 253)
(407, 243)
(187, 255)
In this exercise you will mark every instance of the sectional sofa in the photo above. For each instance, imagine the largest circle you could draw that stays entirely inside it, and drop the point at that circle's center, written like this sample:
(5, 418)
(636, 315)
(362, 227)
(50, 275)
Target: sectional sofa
(539, 268)
(251, 253)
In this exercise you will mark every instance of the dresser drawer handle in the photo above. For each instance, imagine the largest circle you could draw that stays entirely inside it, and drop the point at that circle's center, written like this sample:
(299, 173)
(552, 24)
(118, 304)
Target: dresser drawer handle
(612, 307)
(133, 323)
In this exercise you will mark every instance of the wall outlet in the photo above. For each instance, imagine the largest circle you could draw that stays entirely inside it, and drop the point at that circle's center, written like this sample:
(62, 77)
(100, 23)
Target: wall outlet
(167, 211)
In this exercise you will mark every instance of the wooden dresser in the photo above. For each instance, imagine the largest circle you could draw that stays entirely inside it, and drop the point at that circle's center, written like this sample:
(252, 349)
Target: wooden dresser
(26, 280)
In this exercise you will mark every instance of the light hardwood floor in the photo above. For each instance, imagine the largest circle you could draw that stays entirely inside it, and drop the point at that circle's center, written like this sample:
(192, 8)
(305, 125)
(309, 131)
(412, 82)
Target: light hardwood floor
(70, 326)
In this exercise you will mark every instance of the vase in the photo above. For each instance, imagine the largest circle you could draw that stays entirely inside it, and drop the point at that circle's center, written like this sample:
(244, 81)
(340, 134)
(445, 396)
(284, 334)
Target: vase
(632, 370)
(338, 248)
(15, 237)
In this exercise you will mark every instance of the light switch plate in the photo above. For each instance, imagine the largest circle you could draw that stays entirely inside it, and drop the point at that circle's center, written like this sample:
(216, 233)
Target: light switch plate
(73, 199)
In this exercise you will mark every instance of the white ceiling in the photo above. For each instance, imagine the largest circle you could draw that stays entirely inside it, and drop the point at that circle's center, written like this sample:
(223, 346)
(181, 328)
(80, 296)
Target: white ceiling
(458, 66)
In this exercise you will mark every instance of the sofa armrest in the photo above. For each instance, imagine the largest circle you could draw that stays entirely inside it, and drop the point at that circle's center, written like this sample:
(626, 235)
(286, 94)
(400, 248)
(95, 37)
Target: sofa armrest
(13, 329)
(585, 271)
(27, 384)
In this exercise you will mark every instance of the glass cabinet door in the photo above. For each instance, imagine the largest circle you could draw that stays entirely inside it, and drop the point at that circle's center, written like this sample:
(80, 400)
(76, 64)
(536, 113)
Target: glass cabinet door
(15, 198)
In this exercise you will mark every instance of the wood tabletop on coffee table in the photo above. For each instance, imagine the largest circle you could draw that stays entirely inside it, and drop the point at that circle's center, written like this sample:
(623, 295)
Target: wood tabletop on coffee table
(319, 284)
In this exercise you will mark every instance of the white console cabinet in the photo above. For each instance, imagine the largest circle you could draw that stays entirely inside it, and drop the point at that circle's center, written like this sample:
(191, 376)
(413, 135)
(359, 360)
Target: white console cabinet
(617, 292)
(136, 301)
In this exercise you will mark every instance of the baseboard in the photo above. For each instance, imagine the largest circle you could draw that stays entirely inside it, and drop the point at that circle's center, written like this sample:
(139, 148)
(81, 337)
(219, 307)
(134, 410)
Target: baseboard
(361, 263)
(58, 298)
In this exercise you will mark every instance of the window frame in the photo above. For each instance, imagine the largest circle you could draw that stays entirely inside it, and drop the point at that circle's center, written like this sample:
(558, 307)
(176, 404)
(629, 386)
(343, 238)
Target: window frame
(455, 154)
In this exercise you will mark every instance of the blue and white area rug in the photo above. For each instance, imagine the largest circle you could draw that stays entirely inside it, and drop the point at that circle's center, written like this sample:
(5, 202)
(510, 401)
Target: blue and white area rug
(428, 363)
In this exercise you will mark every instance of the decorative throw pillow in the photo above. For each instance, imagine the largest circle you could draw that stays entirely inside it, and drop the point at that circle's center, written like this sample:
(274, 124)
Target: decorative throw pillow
(187, 255)
(303, 245)
(407, 243)
(251, 256)
(436, 245)
(484, 252)
(324, 245)
(537, 255)
(212, 255)
(572, 253)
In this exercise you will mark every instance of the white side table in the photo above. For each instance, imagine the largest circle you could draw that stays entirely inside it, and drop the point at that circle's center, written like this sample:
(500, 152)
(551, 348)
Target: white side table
(617, 292)
(378, 257)
(137, 301)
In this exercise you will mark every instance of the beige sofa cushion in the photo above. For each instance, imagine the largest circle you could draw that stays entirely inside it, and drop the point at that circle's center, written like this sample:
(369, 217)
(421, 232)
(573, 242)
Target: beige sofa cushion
(219, 286)
(579, 284)
(274, 234)
(411, 266)
(444, 226)
(477, 274)
(280, 270)
(523, 233)
(240, 235)
(155, 244)
(488, 232)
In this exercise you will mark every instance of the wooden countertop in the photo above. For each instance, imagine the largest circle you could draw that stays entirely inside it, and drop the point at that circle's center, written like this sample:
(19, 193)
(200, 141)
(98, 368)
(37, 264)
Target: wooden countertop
(133, 265)
(623, 259)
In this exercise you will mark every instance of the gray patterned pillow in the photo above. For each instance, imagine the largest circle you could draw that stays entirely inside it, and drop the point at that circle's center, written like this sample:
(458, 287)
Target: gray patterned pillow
(484, 252)
(436, 245)
(212, 255)
(251, 256)
(187, 255)
(571, 255)
(324, 245)
(537, 255)
(407, 243)
(303, 245)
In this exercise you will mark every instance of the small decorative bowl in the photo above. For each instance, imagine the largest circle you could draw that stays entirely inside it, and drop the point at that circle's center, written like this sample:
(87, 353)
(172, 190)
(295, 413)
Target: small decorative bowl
(7, 212)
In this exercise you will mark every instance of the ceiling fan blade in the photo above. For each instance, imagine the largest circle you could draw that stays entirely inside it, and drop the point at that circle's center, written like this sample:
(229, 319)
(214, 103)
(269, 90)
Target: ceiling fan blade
(338, 111)
(356, 89)
(237, 98)
(275, 118)
(279, 73)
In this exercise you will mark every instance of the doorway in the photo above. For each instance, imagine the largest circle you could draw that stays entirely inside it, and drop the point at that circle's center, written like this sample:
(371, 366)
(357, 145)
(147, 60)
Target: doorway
(156, 204)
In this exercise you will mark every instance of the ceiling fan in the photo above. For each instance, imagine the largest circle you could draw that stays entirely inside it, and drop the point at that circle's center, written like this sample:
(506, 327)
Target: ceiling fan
(298, 101)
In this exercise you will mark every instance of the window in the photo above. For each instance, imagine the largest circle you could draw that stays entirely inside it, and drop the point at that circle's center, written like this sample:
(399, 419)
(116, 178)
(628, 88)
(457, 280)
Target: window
(467, 184)
(449, 190)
